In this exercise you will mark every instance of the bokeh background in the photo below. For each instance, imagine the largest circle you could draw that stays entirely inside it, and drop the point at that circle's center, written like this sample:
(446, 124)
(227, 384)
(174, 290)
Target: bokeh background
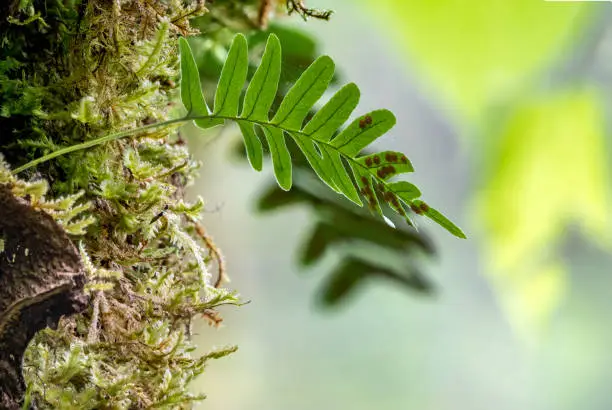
(503, 108)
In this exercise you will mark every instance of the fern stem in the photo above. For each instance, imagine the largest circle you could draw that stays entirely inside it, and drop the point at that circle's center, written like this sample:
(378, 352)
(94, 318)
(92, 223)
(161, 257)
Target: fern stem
(95, 142)
(132, 132)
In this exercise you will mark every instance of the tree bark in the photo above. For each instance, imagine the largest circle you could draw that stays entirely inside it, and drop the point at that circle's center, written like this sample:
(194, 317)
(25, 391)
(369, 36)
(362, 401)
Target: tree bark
(41, 279)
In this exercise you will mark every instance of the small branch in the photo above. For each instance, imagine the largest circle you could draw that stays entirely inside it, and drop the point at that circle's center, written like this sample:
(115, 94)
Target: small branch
(92, 336)
(305, 12)
(263, 13)
(95, 142)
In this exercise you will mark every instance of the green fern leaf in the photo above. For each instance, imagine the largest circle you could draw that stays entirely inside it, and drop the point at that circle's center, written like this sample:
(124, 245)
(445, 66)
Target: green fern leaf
(421, 207)
(304, 94)
(386, 164)
(330, 157)
(341, 178)
(264, 84)
(333, 114)
(258, 100)
(191, 91)
(281, 159)
(405, 190)
(363, 131)
(252, 144)
(232, 78)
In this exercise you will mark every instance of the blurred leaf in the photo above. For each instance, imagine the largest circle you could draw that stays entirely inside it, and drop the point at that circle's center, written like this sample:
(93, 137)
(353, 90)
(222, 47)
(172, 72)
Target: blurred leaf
(322, 237)
(480, 52)
(296, 44)
(343, 281)
(352, 274)
(346, 222)
(549, 172)
(299, 51)
(275, 198)
(531, 295)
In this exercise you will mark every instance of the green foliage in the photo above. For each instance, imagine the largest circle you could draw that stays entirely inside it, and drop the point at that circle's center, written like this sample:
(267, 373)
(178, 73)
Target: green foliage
(552, 151)
(347, 277)
(534, 128)
(69, 211)
(480, 54)
(326, 153)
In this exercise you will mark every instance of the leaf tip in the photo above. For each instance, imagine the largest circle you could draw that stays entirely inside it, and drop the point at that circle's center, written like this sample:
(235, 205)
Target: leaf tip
(389, 222)
(273, 40)
(440, 219)
(353, 88)
(240, 39)
(184, 46)
(326, 60)
(285, 185)
(460, 234)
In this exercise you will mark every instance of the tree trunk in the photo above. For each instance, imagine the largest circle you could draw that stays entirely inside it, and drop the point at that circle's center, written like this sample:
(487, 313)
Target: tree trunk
(72, 71)
(41, 279)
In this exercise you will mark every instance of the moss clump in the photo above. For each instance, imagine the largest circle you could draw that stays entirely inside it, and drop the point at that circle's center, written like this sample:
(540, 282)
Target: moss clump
(72, 70)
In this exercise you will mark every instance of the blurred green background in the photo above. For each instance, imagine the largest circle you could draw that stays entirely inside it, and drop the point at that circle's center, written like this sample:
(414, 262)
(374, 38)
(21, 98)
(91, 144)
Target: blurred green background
(503, 109)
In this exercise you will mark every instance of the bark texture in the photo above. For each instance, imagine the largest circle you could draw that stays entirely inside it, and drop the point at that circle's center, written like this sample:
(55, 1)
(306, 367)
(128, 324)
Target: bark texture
(42, 279)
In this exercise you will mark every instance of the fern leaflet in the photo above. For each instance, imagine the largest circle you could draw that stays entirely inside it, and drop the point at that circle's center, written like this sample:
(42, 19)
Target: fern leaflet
(326, 152)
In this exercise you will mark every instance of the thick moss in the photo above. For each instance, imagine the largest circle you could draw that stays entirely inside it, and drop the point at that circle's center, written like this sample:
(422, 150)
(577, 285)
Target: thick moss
(72, 70)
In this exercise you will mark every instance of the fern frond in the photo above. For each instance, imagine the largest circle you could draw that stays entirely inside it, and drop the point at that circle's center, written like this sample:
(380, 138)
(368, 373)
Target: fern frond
(331, 154)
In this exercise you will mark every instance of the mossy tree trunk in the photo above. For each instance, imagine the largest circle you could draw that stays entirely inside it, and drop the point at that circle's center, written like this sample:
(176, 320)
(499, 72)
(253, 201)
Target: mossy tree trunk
(103, 232)
(42, 279)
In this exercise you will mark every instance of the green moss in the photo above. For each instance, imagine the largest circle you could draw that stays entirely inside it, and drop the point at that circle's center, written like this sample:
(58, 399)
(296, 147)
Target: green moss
(71, 71)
